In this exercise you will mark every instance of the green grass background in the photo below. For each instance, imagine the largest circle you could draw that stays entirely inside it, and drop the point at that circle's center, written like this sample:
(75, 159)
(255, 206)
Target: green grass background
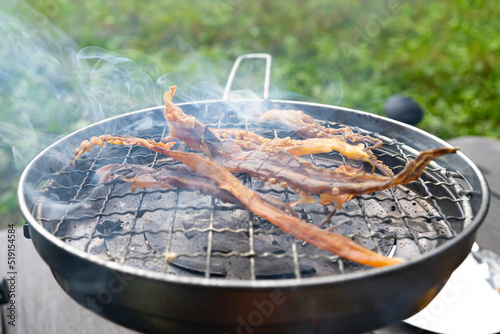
(444, 54)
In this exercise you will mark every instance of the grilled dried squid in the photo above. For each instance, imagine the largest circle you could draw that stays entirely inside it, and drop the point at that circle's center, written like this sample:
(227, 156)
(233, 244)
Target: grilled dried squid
(334, 186)
(324, 239)
(224, 157)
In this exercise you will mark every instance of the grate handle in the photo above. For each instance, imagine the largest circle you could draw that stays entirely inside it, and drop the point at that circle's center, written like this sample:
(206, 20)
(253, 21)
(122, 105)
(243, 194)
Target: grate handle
(236, 65)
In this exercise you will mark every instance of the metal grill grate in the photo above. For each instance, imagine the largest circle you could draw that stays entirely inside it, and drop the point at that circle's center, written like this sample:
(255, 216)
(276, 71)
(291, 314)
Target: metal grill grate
(182, 233)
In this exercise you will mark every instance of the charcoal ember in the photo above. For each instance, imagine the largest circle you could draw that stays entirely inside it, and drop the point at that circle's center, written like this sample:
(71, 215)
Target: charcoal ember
(109, 226)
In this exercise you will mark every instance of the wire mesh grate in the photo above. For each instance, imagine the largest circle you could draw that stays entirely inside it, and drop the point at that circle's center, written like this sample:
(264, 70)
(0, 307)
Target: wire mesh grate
(180, 232)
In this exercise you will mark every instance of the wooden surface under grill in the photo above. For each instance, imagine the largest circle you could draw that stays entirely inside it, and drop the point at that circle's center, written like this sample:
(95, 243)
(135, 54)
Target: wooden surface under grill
(43, 307)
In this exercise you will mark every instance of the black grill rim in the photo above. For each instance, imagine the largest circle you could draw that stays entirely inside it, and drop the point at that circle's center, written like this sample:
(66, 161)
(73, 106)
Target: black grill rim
(268, 283)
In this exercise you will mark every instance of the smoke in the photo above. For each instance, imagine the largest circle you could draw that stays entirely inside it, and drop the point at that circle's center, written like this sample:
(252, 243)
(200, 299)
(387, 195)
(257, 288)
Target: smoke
(49, 87)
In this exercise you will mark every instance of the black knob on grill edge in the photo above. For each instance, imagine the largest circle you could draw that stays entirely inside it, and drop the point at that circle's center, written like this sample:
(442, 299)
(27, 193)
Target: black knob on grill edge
(403, 109)
(26, 230)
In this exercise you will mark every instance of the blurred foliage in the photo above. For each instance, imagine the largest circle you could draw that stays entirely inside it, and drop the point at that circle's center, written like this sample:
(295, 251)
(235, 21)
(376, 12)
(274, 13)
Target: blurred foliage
(355, 54)
(8, 200)
(443, 54)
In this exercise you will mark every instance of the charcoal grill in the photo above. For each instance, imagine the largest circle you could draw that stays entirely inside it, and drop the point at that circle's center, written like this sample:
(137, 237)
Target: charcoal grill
(169, 260)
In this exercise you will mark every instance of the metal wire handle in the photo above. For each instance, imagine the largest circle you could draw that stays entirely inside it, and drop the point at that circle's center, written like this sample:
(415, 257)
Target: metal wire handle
(236, 65)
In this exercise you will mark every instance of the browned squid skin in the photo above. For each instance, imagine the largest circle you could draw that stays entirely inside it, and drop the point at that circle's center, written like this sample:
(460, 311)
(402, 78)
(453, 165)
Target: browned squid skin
(320, 139)
(335, 186)
(166, 177)
(248, 141)
(306, 127)
(176, 176)
(301, 176)
(182, 126)
(279, 167)
(296, 227)
(414, 168)
(188, 129)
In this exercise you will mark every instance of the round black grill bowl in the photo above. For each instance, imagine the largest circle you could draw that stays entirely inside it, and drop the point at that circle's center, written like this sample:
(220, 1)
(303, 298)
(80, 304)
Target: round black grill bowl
(127, 289)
